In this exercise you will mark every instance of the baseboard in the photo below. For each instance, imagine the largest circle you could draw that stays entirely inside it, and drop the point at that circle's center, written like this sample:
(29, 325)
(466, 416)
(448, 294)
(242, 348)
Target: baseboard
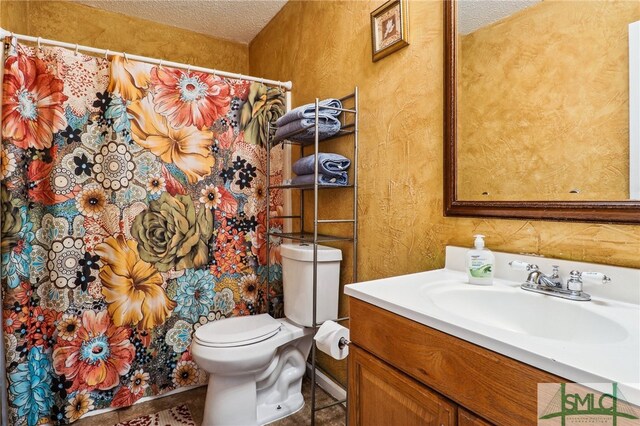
(327, 384)
(143, 399)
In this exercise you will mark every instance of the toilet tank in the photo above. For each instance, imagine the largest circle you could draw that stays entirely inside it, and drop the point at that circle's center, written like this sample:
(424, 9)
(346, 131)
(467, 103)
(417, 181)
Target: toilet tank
(297, 280)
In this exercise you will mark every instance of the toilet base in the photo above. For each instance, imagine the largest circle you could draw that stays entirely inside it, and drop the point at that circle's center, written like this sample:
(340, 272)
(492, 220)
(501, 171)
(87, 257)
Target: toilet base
(223, 393)
(221, 405)
(268, 413)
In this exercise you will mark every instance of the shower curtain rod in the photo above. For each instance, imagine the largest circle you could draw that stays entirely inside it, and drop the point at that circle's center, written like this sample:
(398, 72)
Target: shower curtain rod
(77, 47)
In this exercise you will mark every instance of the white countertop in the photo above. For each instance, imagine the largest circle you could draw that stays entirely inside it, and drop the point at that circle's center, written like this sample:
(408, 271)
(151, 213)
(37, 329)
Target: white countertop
(604, 349)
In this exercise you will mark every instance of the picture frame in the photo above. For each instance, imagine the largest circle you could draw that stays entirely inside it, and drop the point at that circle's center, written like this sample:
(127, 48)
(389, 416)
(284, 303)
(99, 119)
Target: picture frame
(389, 28)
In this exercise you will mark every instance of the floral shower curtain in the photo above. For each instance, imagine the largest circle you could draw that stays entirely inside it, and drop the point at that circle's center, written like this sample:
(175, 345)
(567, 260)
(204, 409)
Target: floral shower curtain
(133, 211)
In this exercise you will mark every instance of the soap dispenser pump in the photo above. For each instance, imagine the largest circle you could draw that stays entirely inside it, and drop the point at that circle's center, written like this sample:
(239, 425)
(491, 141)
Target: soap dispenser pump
(480, 263)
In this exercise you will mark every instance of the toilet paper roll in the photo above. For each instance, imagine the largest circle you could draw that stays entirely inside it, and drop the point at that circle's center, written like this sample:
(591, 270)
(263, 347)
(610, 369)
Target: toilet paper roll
(328, 339)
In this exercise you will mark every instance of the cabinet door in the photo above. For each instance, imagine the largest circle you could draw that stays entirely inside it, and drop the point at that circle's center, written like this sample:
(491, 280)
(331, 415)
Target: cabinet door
(381, 395)
(465, 418)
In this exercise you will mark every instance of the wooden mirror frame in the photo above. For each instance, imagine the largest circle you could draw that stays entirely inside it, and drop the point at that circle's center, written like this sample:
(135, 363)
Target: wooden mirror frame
(581, 211)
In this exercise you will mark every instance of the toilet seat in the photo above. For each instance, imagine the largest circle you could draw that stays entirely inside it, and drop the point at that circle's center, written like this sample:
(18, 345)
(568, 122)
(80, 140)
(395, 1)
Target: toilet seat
(237, 331)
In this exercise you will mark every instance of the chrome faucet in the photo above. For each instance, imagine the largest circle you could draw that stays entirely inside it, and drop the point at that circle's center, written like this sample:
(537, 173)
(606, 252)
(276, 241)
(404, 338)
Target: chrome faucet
(536, 276)
(539, 282)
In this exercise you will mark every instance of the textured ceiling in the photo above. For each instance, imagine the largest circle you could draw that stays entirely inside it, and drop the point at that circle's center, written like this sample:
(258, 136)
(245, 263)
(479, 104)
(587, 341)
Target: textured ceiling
(474, 14)
(235, 20)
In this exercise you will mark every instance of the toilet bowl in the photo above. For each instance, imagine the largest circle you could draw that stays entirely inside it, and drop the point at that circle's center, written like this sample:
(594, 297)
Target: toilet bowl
(255, 367)
(256, 363)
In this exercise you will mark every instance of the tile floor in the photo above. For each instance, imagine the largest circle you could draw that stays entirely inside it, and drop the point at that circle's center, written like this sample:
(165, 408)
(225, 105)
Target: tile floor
(194, 398)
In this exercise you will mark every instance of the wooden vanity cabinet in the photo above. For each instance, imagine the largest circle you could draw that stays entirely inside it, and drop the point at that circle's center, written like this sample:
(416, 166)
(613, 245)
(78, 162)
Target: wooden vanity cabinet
(404, 373)
(382, 395)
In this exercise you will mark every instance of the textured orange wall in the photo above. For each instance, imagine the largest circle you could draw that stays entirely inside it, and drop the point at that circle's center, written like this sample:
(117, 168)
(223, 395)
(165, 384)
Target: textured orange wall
(325, 49)
(544, 104)
(13, 16)
(77, 23)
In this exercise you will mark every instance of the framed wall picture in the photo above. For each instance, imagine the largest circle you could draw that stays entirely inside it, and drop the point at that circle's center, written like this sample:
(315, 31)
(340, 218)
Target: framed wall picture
(389, 28)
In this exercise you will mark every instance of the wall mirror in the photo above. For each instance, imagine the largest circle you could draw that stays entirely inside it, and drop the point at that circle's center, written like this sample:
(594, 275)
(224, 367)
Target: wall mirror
(542, 109)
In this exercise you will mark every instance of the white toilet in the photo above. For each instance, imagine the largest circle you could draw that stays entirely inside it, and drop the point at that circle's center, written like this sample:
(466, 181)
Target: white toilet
(256, 363)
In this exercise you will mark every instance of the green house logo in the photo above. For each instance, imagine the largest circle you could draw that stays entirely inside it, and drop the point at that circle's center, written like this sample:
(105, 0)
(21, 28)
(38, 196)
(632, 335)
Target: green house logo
(581, 405)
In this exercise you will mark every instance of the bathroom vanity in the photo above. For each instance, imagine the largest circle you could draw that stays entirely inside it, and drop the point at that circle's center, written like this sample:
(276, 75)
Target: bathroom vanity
(433, 377)
(429, 349)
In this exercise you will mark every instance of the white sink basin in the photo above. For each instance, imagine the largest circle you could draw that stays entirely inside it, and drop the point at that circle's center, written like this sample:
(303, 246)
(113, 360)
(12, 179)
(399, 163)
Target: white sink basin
(515, 310)
(586, 342)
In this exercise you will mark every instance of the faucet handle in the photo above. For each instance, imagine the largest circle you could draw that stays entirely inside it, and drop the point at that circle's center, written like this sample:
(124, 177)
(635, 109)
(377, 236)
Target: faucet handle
(576, 278)
(519, 265)
(595, 277)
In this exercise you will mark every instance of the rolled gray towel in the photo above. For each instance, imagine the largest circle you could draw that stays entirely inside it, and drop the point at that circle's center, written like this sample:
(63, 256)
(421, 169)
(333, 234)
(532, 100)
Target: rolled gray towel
(341, 180)
(328, 164)
(309, 111)
(327, 126)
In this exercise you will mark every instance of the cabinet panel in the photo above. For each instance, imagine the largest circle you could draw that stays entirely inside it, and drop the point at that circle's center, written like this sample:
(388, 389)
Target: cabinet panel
(498, 388)
(466, 418)
(381, 395)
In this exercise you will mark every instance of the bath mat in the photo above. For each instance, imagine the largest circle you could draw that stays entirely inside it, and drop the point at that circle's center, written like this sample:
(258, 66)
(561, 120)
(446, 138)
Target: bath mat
(176, 416)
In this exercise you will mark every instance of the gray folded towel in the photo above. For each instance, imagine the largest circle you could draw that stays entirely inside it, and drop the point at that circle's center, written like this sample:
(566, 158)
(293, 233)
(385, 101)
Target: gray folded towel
(327, 126)
(341, 180)
(309, 111)
(328, 164)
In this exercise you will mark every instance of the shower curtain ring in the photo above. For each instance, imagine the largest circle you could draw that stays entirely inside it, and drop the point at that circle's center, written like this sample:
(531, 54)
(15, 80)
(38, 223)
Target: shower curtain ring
(188, 69)
(214, 73)
(106, 54)
(76, 51)
(126, 57)
(160, 64)
(39, 41)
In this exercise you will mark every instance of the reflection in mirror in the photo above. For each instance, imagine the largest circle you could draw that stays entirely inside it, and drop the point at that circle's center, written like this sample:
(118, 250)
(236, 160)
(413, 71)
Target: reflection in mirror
(543, 100)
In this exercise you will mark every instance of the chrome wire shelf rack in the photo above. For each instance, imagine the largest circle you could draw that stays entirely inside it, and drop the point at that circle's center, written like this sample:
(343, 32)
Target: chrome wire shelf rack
(349, 120)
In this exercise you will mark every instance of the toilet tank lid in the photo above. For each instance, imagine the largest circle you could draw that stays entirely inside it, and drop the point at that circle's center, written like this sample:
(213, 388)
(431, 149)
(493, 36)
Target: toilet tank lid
(304, 252)
(238, 330)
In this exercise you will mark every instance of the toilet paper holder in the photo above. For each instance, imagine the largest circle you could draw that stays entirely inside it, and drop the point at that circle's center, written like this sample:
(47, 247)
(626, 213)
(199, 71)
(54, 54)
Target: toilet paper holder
(343, 342)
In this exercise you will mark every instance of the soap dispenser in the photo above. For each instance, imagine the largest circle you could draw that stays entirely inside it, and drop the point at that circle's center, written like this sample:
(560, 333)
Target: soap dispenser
(480, 263)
